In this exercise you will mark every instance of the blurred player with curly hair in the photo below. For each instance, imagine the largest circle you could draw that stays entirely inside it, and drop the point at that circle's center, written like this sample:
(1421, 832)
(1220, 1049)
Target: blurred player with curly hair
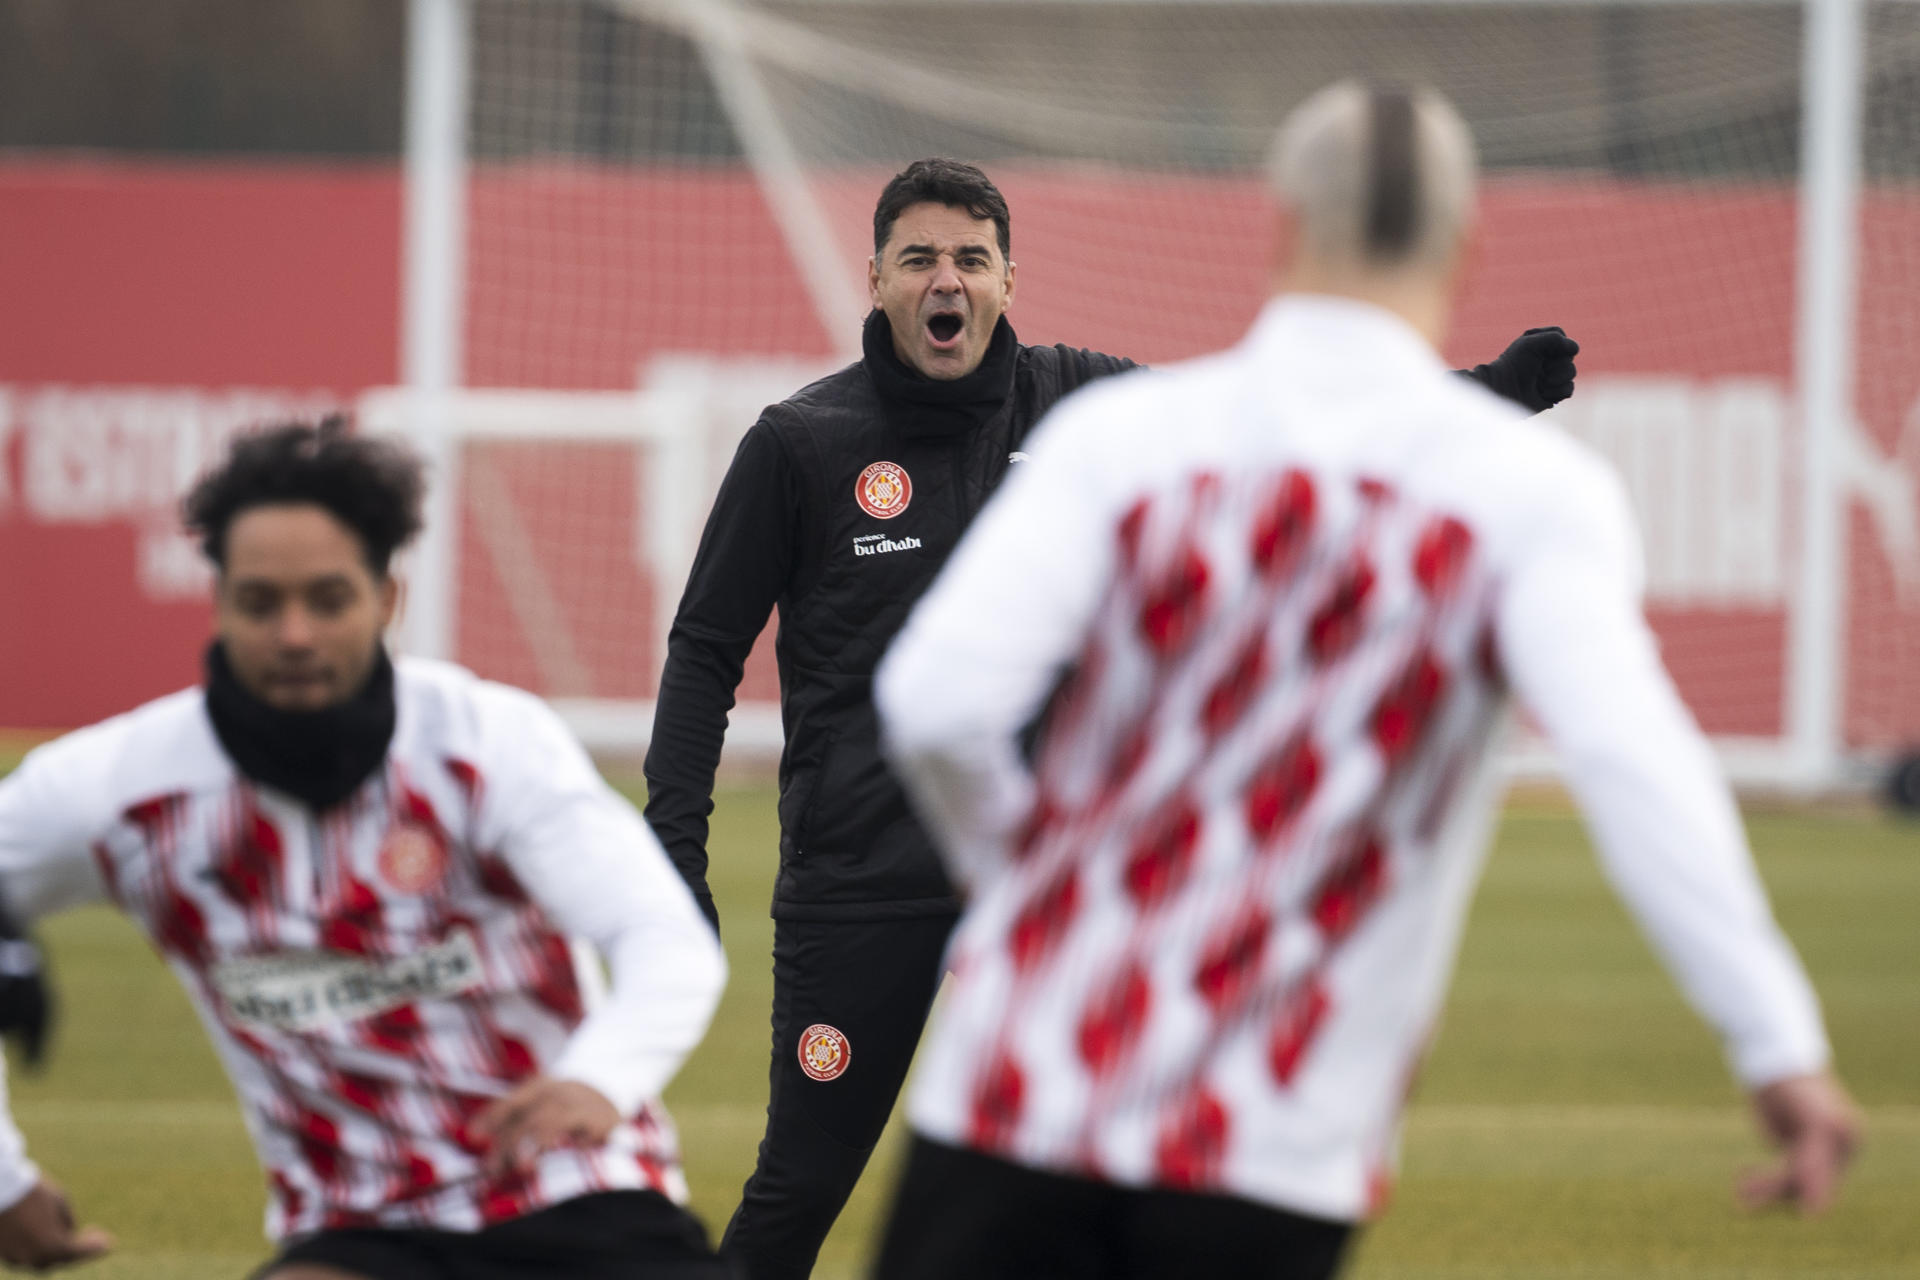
(382, 884)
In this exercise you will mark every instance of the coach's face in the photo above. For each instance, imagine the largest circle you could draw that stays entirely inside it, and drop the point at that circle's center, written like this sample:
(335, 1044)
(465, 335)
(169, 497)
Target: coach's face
(298, 610)
(944, 284)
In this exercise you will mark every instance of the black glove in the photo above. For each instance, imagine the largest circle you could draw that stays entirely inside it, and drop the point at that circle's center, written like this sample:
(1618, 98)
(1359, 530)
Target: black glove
(1535, 371)
(26, 1007)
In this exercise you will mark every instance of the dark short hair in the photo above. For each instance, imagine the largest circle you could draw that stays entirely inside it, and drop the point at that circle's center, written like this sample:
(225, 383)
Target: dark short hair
(372, 486)
(938, 180)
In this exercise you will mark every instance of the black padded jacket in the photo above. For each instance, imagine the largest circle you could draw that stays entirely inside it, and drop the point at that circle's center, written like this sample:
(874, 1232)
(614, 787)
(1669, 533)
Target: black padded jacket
(807, 521)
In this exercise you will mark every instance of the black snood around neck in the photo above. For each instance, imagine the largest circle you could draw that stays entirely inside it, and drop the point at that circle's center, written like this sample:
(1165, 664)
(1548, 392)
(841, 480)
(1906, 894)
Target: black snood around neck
(921, 406)
(321, 756)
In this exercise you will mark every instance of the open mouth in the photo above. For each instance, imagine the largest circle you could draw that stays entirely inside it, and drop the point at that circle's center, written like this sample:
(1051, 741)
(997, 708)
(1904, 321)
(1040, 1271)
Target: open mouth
(945, 327)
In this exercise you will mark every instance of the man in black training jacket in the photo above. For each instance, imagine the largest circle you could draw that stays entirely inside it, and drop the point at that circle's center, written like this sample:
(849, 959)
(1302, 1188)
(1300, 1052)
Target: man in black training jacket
(840, 506)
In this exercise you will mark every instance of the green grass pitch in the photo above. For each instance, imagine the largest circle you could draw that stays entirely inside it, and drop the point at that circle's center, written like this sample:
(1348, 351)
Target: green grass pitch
(1574, 1123)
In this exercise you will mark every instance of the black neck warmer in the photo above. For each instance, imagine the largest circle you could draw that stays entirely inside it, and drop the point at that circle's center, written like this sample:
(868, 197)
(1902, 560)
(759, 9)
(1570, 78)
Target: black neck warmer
(921, 406)
(319, 756)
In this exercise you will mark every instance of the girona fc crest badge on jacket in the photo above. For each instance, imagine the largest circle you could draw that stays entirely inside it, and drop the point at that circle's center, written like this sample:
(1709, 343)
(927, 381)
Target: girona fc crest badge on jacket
(824, 1052)
(884, 490)
(411, 858)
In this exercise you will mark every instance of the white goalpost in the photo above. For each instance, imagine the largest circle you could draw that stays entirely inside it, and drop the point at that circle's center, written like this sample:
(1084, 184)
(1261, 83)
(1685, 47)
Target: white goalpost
(671, 440)
(633, 223)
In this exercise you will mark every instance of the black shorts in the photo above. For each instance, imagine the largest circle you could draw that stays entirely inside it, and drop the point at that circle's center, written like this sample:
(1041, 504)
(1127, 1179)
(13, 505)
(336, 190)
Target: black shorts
(960, 1215)
(609, 1235)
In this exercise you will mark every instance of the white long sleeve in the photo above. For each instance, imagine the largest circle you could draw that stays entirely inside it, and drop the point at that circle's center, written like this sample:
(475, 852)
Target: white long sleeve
(46, 816)
(50, 809)
(955, 743)
(598, 872)
(1582, 659)
(18, 1173)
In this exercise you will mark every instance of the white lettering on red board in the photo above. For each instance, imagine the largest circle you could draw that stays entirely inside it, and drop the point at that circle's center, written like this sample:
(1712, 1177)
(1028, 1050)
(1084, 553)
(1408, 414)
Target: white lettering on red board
(107, 455)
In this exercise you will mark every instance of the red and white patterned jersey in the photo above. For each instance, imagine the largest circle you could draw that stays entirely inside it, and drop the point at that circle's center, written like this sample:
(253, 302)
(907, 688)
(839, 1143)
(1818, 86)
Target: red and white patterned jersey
(373, 976)
(1289, 588)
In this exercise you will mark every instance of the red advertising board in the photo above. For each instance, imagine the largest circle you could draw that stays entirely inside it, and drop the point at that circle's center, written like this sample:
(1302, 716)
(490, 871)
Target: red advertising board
(144, 308)
(148, 310)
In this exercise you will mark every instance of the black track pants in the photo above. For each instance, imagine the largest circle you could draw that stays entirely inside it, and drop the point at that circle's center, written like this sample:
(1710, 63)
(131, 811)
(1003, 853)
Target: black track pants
(869, 984)
(960, 1215)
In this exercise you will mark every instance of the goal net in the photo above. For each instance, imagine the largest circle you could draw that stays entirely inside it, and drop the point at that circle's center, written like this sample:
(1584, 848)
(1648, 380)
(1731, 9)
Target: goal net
(668, 211)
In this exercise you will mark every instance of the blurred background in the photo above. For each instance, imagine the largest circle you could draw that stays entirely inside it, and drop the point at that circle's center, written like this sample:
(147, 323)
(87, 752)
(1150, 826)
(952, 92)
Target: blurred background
(570, 248)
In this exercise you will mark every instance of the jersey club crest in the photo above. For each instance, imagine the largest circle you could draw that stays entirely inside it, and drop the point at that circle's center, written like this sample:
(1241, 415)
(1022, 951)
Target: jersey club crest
(824, 1052)
(411, 859)
(884, 490)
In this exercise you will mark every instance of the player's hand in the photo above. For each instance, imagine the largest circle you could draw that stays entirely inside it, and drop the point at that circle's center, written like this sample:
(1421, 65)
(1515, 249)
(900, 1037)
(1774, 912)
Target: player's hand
(1817, 1126)
(1536, 371)
(38, 1232)
(541, 1115)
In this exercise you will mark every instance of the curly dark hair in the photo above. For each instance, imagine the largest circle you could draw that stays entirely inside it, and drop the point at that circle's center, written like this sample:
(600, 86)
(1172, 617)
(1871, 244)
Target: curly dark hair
(938, 180)
(372, 486)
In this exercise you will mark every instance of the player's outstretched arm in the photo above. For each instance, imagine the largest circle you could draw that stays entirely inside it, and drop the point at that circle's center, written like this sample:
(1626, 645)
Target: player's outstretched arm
(598, 873)
(1817, 1128)
(38, 1232)
(47, 821)
(47, 824)
(1580, 655)
(1536, 371)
